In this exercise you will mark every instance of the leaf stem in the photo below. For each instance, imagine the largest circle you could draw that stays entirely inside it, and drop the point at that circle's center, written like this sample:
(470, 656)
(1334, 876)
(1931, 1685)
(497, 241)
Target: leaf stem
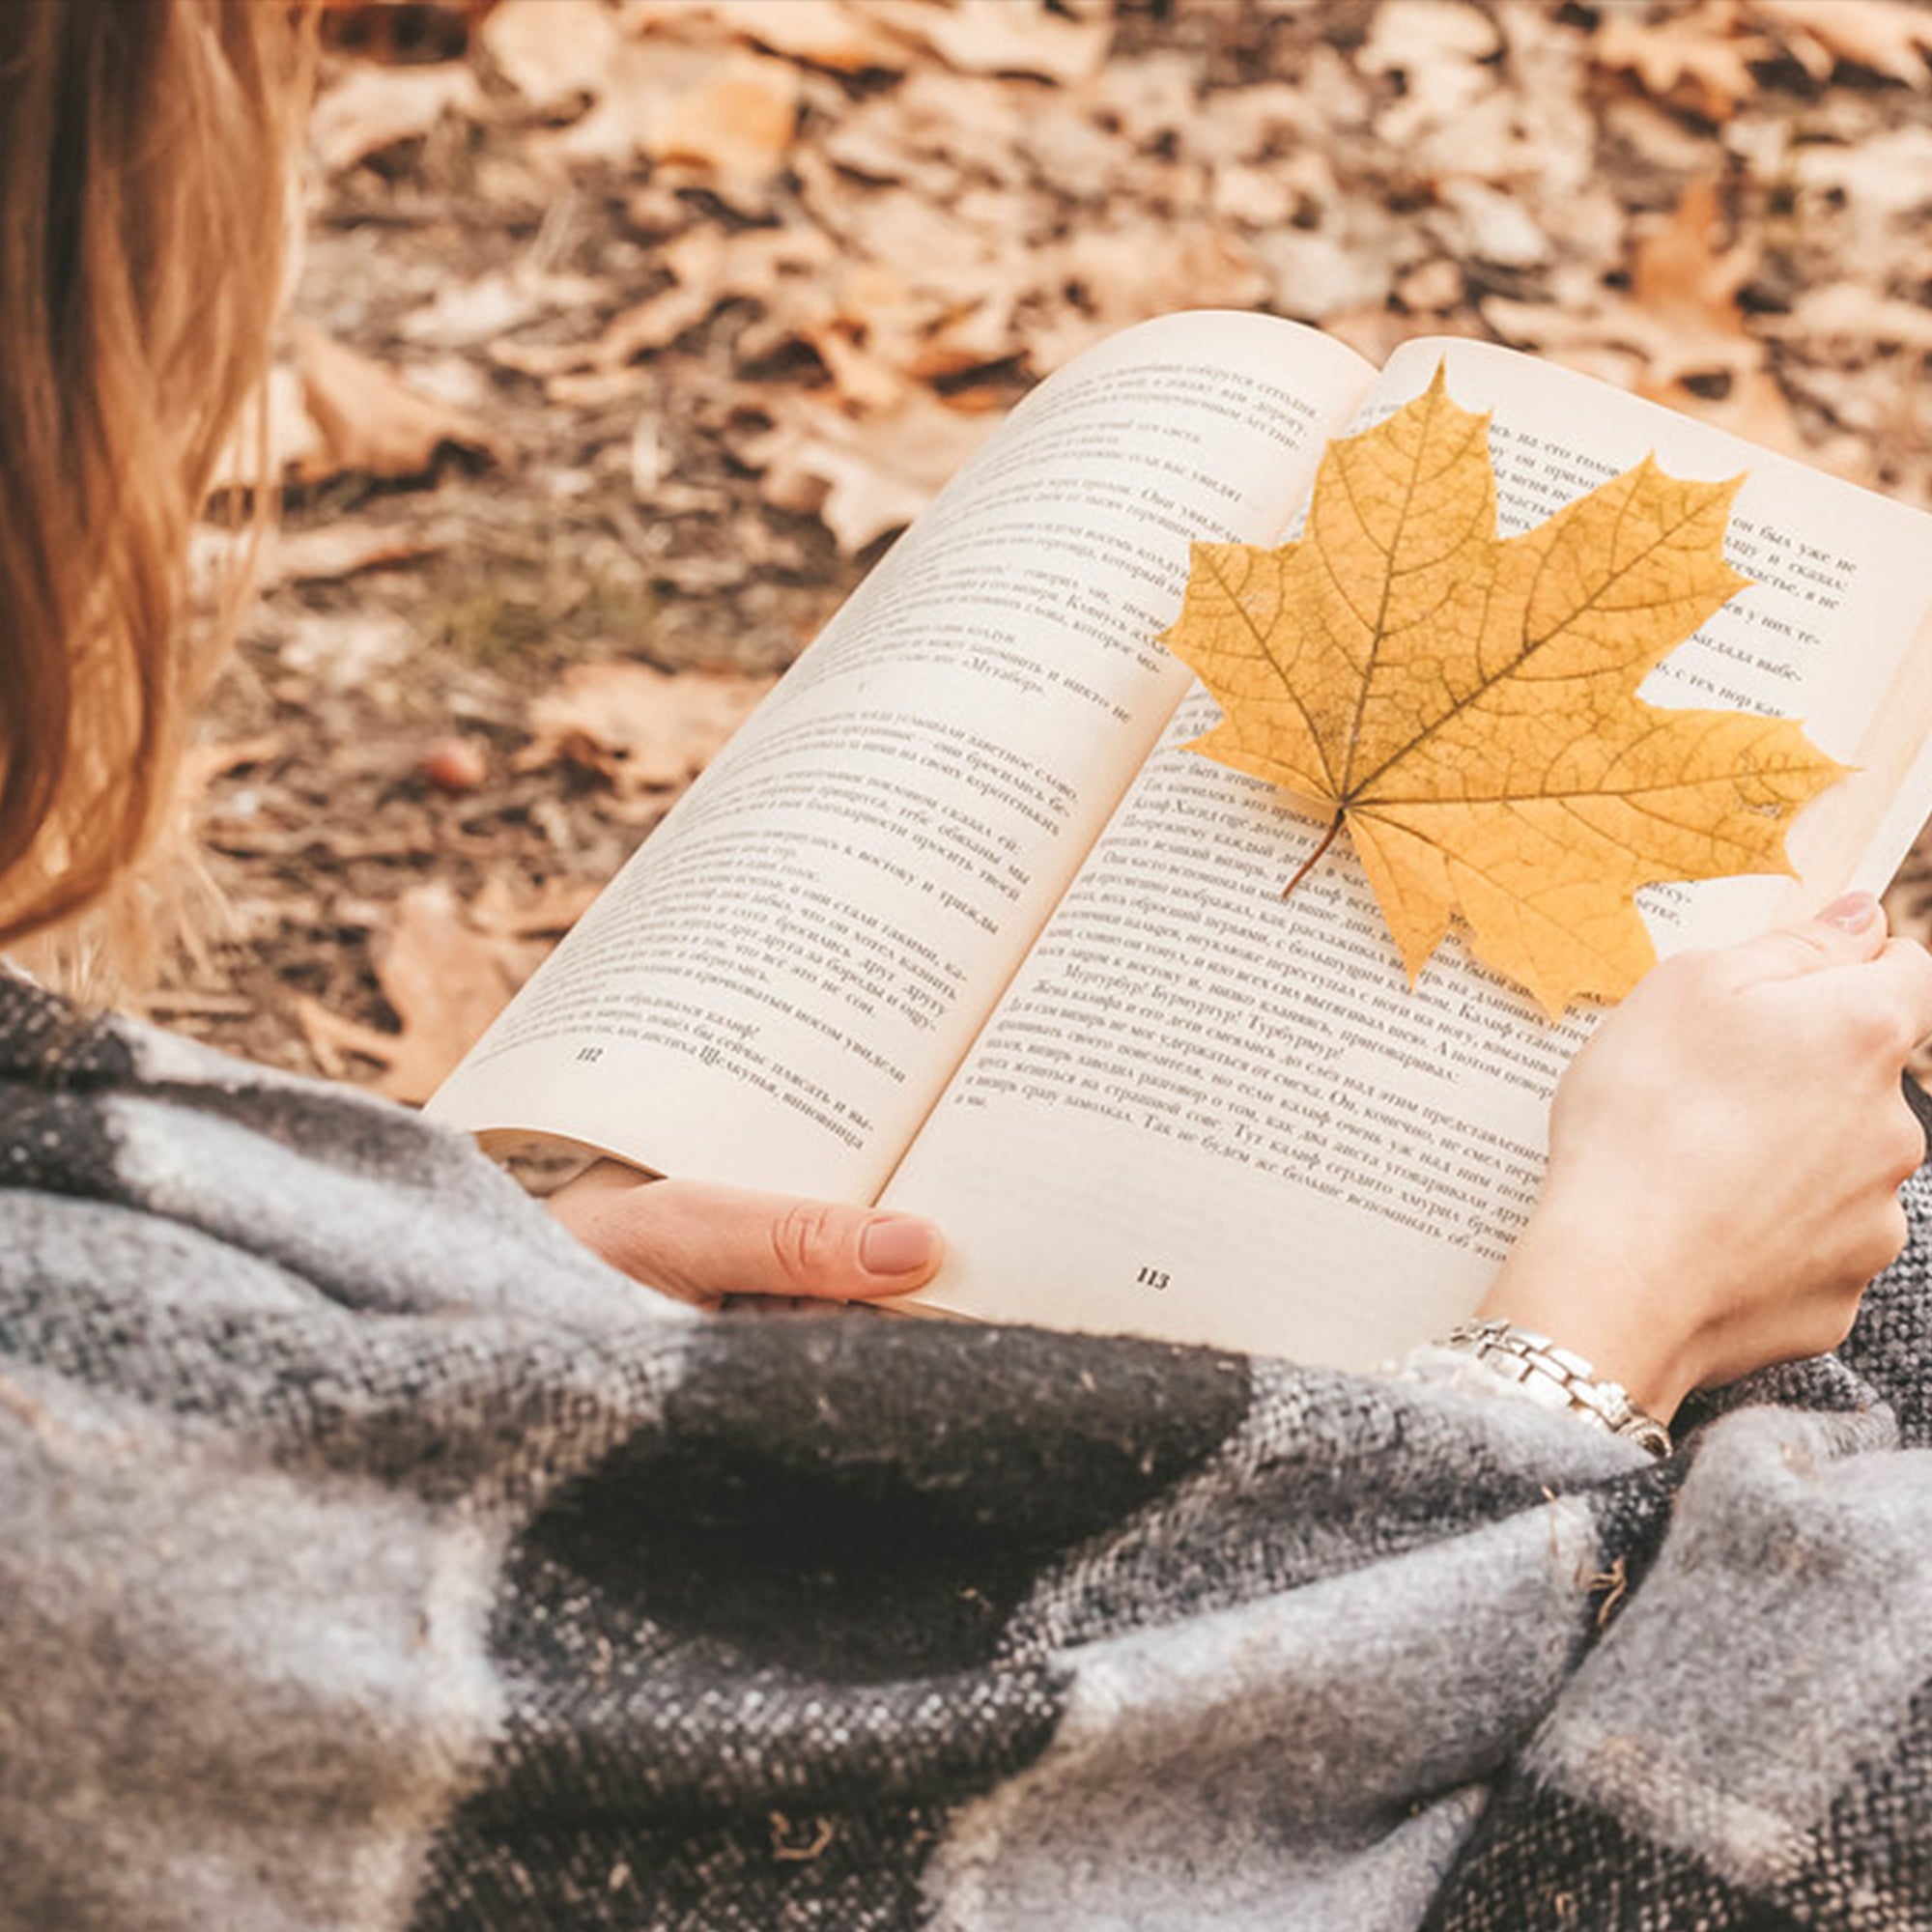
(1307, 864)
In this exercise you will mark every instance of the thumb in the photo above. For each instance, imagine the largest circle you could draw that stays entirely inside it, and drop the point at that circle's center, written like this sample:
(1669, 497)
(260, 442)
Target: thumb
(699, 1240)
(1847, 932)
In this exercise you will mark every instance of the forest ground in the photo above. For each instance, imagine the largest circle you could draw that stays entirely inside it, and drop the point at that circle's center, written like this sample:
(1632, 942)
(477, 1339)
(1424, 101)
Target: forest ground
(629, 333)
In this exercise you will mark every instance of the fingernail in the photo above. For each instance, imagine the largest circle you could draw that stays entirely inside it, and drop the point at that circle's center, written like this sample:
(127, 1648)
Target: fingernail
(897, 1244)
(1853, 913)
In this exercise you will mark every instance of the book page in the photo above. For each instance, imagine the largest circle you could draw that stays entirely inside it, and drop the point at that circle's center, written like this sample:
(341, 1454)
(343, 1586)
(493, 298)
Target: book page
(777, 987)
(1207, 1113)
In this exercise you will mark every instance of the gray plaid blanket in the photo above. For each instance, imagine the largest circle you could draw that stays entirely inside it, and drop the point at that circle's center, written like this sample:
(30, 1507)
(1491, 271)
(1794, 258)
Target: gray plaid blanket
(371, 1557)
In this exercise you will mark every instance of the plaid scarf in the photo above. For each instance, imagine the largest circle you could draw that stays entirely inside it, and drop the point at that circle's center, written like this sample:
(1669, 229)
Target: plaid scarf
(371, 1556)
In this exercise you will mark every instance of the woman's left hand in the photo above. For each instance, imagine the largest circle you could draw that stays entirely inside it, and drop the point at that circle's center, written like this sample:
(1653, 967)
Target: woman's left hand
(700, 1242)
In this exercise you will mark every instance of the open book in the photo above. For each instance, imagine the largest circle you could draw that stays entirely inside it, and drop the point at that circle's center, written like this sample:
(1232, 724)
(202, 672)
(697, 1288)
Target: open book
(955, 924)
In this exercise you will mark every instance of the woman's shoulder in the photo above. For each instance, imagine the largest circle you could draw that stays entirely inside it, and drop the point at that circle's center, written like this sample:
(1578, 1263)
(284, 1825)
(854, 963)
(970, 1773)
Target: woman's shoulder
(340, 1189)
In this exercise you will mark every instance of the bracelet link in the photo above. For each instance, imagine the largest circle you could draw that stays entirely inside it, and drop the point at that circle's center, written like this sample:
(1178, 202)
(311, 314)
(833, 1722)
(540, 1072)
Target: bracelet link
(1557, 1378)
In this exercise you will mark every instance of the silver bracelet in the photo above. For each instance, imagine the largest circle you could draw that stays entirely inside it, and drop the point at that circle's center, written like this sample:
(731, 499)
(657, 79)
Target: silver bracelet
(1558, 1378)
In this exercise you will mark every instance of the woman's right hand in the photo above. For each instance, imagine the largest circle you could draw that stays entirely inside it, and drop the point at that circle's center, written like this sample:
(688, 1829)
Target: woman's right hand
(1725, 1156)
(698, 1241)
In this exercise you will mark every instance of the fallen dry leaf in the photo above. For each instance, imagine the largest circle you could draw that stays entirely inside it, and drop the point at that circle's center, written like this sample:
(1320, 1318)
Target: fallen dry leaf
(1155, 101)
(863, 477)
(726, 112)
(1413, 33)
(1845, 314)
(465, 313)
(738, 125)
(1888, 175)
(1121, 282)
(826, 33)
(349, 649)
(938, 134)
(376, 108)
(1002, 35)
(207, 762)
(1482, 224)
(641, 730)
(1439, 48)
(554, 52)
(549, 909)
(1681, 275)
(1319, 278)
(1891, 36)
(1690, 56)
(714, 107)
(768, 266)
(445, 981)
(948, 245)
(627, 98)
(1681, 320)
(1685, 284)
(1467, 706)
(372, 421)
(332, 551)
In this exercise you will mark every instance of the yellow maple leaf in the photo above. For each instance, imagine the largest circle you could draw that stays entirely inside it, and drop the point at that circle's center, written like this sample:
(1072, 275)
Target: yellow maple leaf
(1466, 704)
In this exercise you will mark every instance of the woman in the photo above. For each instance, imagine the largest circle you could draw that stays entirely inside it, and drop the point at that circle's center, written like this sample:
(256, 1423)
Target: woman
(373, 1555)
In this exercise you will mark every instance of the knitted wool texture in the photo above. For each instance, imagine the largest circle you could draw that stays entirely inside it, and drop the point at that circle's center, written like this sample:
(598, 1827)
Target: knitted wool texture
(373, 1557)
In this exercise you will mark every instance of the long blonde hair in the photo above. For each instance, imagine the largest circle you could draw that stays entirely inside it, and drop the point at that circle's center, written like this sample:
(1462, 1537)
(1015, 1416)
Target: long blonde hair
(144, 156)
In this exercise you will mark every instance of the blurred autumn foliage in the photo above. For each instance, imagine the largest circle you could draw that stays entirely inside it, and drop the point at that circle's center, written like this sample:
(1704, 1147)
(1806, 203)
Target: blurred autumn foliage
(631, 329)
